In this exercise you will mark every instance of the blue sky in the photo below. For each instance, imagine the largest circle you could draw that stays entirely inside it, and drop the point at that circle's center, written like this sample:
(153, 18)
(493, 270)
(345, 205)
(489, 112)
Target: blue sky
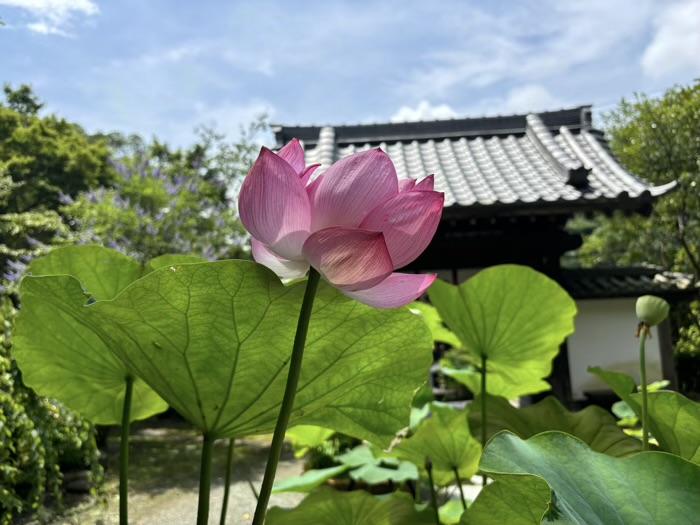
(164, 66)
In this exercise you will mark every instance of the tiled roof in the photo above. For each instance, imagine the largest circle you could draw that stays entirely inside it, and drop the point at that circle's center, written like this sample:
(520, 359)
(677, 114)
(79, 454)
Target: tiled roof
(598, 283)
(545, 161)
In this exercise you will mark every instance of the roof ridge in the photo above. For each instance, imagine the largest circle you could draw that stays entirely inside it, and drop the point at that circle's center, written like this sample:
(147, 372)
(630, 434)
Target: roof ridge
(576, 118)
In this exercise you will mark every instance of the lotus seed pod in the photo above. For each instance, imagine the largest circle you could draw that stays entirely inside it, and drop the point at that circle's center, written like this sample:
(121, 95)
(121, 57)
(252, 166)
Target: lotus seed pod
(651, 310)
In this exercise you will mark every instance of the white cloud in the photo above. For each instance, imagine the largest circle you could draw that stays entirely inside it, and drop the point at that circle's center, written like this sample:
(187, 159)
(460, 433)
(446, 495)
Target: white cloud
(44, 29)
(675, 46)
(528, 43)
(53, 16)
(423, 111)
(527, 98)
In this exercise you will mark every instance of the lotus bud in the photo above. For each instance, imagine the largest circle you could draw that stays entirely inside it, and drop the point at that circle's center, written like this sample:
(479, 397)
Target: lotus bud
(651, 310)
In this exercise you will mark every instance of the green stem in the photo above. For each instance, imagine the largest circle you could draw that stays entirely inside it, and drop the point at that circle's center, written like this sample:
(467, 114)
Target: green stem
(227, 486)
(643, 373)
(483, 410)
(461, 490)
(205, 481)
(433, 494)
(288, 399)
(124, 454)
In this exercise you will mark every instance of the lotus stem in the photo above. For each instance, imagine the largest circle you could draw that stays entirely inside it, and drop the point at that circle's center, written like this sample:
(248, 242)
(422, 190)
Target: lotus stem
(227, 486)
(288, 399)
(643, 378)
(205, 481)
(461, 490)
(483, 410)
(124, 453)
(433, 494)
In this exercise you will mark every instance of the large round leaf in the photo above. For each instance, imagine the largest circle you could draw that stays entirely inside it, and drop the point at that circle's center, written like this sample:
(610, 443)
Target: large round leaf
(446, 440)
(307, 437)
(592, 425)
(674, 420)
(513, 316)
(330, 507)
(511, 500)
(441, 334)
(214, 340)
(60, 357)
(102, 272)
(374, 467)
(63, 359)
(309, 480)
(589, 488)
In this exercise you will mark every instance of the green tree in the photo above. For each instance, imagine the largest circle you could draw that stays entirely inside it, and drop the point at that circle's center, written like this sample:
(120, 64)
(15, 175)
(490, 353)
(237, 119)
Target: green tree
(47, 156)
(659, 140)
(27, 234)
(168, 200)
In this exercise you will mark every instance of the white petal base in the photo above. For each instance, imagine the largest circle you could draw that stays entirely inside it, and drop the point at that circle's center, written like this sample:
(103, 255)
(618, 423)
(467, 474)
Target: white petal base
(282, 267)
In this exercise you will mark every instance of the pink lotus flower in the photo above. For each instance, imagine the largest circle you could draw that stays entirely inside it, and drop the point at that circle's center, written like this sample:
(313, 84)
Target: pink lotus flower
(355, 224)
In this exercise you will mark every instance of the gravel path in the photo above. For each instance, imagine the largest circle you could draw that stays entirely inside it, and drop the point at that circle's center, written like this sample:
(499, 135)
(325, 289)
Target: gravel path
(163, 482)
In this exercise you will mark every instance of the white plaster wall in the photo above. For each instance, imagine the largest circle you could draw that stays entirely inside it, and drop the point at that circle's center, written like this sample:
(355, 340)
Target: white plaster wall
(604, 337)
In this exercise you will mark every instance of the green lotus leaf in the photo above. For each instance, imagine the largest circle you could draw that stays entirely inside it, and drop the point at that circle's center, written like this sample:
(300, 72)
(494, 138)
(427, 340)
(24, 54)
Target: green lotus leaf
(500, 380)
(441, 334)
(512, 500)
(357, 456)
(170, 259)
(446, 440)
(515, 318)
(674, 419)
(592, 425)
(102, 272)
(307, 437)
(59, 356)
(329, 507)
(374, 467)
(590, 488)
(676, 423)
(214, 340)
(379, 473)
(451, 512)
(309, 480)
(418, 415)
(622, 384)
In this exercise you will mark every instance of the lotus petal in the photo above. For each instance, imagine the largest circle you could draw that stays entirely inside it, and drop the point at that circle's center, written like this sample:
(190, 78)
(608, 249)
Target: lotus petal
(397, 290)
(427, 184)
(351, 188)
(408, 222)
(406, 184)
(306, 174)
(274, 206)
(293, 153)
(348, 258)
(283, 267)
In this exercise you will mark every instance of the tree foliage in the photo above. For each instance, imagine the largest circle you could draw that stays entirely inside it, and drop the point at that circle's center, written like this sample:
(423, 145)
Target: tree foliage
(47, 156)
(168, 201)
(25, 235)
(659, 140)
(60, 185)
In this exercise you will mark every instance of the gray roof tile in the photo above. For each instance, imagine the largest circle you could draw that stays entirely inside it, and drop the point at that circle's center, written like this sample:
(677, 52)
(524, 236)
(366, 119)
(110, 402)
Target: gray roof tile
(525, 160)
(596, 283)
